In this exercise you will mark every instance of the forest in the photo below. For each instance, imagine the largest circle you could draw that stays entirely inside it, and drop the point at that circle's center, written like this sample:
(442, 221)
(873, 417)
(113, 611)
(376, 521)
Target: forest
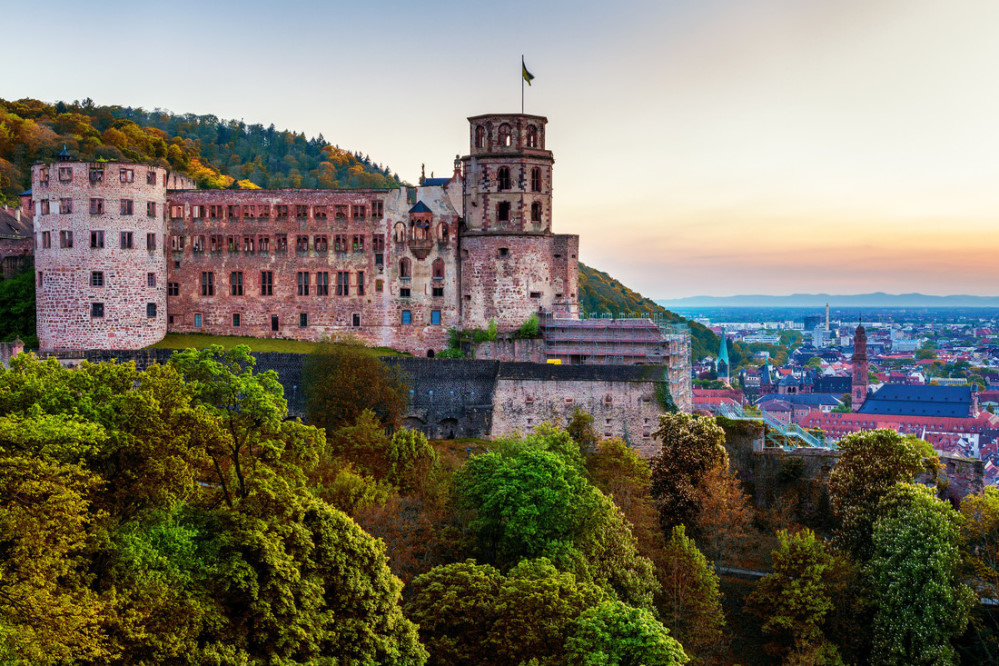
(217, 153)
(178, 516)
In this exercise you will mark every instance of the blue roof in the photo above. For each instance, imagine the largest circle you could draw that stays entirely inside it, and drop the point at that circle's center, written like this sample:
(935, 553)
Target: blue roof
(435, 182)
(420, 207)
(26, 193)
(905, 400)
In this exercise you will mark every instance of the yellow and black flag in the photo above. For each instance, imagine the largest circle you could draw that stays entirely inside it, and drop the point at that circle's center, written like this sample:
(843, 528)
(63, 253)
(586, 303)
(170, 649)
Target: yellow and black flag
(527, 75)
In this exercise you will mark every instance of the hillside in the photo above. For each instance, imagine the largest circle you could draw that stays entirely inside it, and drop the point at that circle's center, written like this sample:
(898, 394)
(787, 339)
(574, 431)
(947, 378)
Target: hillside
(599, 292)
(217, 153)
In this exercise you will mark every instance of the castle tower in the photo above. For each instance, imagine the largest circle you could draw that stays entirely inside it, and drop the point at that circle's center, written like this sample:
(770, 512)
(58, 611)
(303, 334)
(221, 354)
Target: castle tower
(100, 262)
(860, 368)
(512, 265)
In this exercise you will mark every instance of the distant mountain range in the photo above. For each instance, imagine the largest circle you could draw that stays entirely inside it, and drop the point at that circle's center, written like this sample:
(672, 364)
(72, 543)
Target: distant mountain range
(876, 299)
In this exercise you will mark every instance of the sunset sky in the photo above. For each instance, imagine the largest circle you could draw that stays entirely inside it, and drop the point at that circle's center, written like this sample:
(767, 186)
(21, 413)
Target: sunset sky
(701, 146)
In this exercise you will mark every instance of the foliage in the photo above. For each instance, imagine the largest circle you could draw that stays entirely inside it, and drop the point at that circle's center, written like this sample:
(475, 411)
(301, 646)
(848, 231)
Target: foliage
(472, 614)
(17, 308)
(872, 462)
(530, 329)
(796, 598)
(613, 634)
(724, 516)
(921, 604)
(284, 345)
(663, 395)
(341, 380)
(216, 153)
(691, 601)
(580, 428)
(691, 447)
(450, 353)
(600, 293)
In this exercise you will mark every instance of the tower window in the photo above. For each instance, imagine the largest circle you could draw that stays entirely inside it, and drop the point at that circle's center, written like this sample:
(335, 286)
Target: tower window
(503, 211)
(503, 178)
(235, 319)
(480, 137)
(97, 310)
(536, 212)
(536, 179)
(151, 310)
(505, 138)
(96, 239)
(303, 319)
(532, 137)
(96, 278)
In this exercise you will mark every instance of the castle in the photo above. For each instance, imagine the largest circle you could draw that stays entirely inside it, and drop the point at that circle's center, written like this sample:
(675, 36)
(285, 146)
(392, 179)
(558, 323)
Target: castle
(127, 252)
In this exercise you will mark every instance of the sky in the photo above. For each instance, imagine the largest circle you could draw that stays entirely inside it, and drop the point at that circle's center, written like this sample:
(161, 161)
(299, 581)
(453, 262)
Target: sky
(701, 146)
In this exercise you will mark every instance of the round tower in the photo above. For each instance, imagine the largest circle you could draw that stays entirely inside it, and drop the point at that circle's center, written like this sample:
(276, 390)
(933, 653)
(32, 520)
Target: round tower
(860, 368)
(511, 264)
(100, 262)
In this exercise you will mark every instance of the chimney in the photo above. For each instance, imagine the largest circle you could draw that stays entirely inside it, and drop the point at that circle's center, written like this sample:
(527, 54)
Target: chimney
(17, 214)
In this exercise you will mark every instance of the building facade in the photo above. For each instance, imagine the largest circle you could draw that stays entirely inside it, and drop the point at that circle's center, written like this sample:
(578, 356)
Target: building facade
(127, 252)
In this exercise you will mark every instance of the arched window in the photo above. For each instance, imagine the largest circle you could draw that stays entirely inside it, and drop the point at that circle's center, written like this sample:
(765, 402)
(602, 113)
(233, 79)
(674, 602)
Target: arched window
(443, 232)
(480, 137)
(503, 178)
(404, 269)
(400, 232)
(536, 211)
(503, 211)
(438, 269)
(536, 179)
(504, 135)
(532, 136)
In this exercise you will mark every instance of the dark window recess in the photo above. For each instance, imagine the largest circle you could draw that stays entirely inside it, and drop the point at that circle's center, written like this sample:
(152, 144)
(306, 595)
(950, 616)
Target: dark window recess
(151, 310)
(96, 310)
(235, 319)
(404, 292)
(274, 323)
(535, 294)
(303, 320)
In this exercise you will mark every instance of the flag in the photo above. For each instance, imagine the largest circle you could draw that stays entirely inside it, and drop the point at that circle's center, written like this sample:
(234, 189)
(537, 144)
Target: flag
(527, 75)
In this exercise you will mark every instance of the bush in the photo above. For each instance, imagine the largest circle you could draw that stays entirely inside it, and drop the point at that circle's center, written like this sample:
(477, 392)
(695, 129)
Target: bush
(530, 329)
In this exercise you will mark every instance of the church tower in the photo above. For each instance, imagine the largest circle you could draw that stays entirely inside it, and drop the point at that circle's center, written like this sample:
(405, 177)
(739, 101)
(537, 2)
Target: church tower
(722, 366)
(512, 265)
(860, 368)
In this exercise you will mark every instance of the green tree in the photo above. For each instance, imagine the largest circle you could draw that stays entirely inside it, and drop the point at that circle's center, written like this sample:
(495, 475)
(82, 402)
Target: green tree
(404, 460)
(872, 462)
(796, 598)
(342, 379)
(472, 614)
(921, 605)
(614, 634)
(690, 602)
(690, 447)
(581, 429)
(17, 308)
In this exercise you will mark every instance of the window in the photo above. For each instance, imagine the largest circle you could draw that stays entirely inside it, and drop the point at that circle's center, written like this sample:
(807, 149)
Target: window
(357, 243)
(263, 212)
(355, 319)
(379, 286)
(150, 310)
(173, 289)
(322, 284)
(215, 243)
(96, 278)
(46, 239)
(150, 241)
(281, 211)
(303, 319)
(404, 268)
(532, 136)
(264, 244)
(247, 212)
(435, 317)
(236, 283)
(505, 138)
(301, 211)
(360, 283)
(197, 321)
(215, 212)
(480, 137)
(150, 178)
(248, 243)
(126, 175)
(340, 243)
(43, 207)
(150, 279)
(96, 310)
(358, 212)
(232, 211)
(208, 283)
(438, 269)
(235, 319)
(319, 212)
(275, 325)
(301, 243)
(126, 206)
(407, 317)
(65, 206)
(66, 239)
(281, 243)
(176, 243)
(126, 240)
(96, 239)
(343, 283)
(504, 252)
(437, 292)
(303, 284)
(43, 177)
(266, 283)
(503, 211)
(96, 206)
(536, 211)
(232, 243)
(405, 292)
(340, 211)
(150, 209)
(322, 243)
(176, 212)
(503, 178)
(66, 175)
(536, 179)
(535, 294)
(377, 210)
(378, 242)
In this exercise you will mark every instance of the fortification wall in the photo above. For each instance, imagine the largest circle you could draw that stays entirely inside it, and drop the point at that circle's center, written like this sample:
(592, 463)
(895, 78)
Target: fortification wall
(307, 264)
(100, 267)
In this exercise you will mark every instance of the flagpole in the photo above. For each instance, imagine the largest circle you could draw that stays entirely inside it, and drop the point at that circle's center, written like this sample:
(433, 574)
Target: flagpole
(522, 85)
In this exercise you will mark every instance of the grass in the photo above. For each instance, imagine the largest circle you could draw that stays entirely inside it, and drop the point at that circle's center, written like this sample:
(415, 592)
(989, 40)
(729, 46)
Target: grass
(199, 341)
